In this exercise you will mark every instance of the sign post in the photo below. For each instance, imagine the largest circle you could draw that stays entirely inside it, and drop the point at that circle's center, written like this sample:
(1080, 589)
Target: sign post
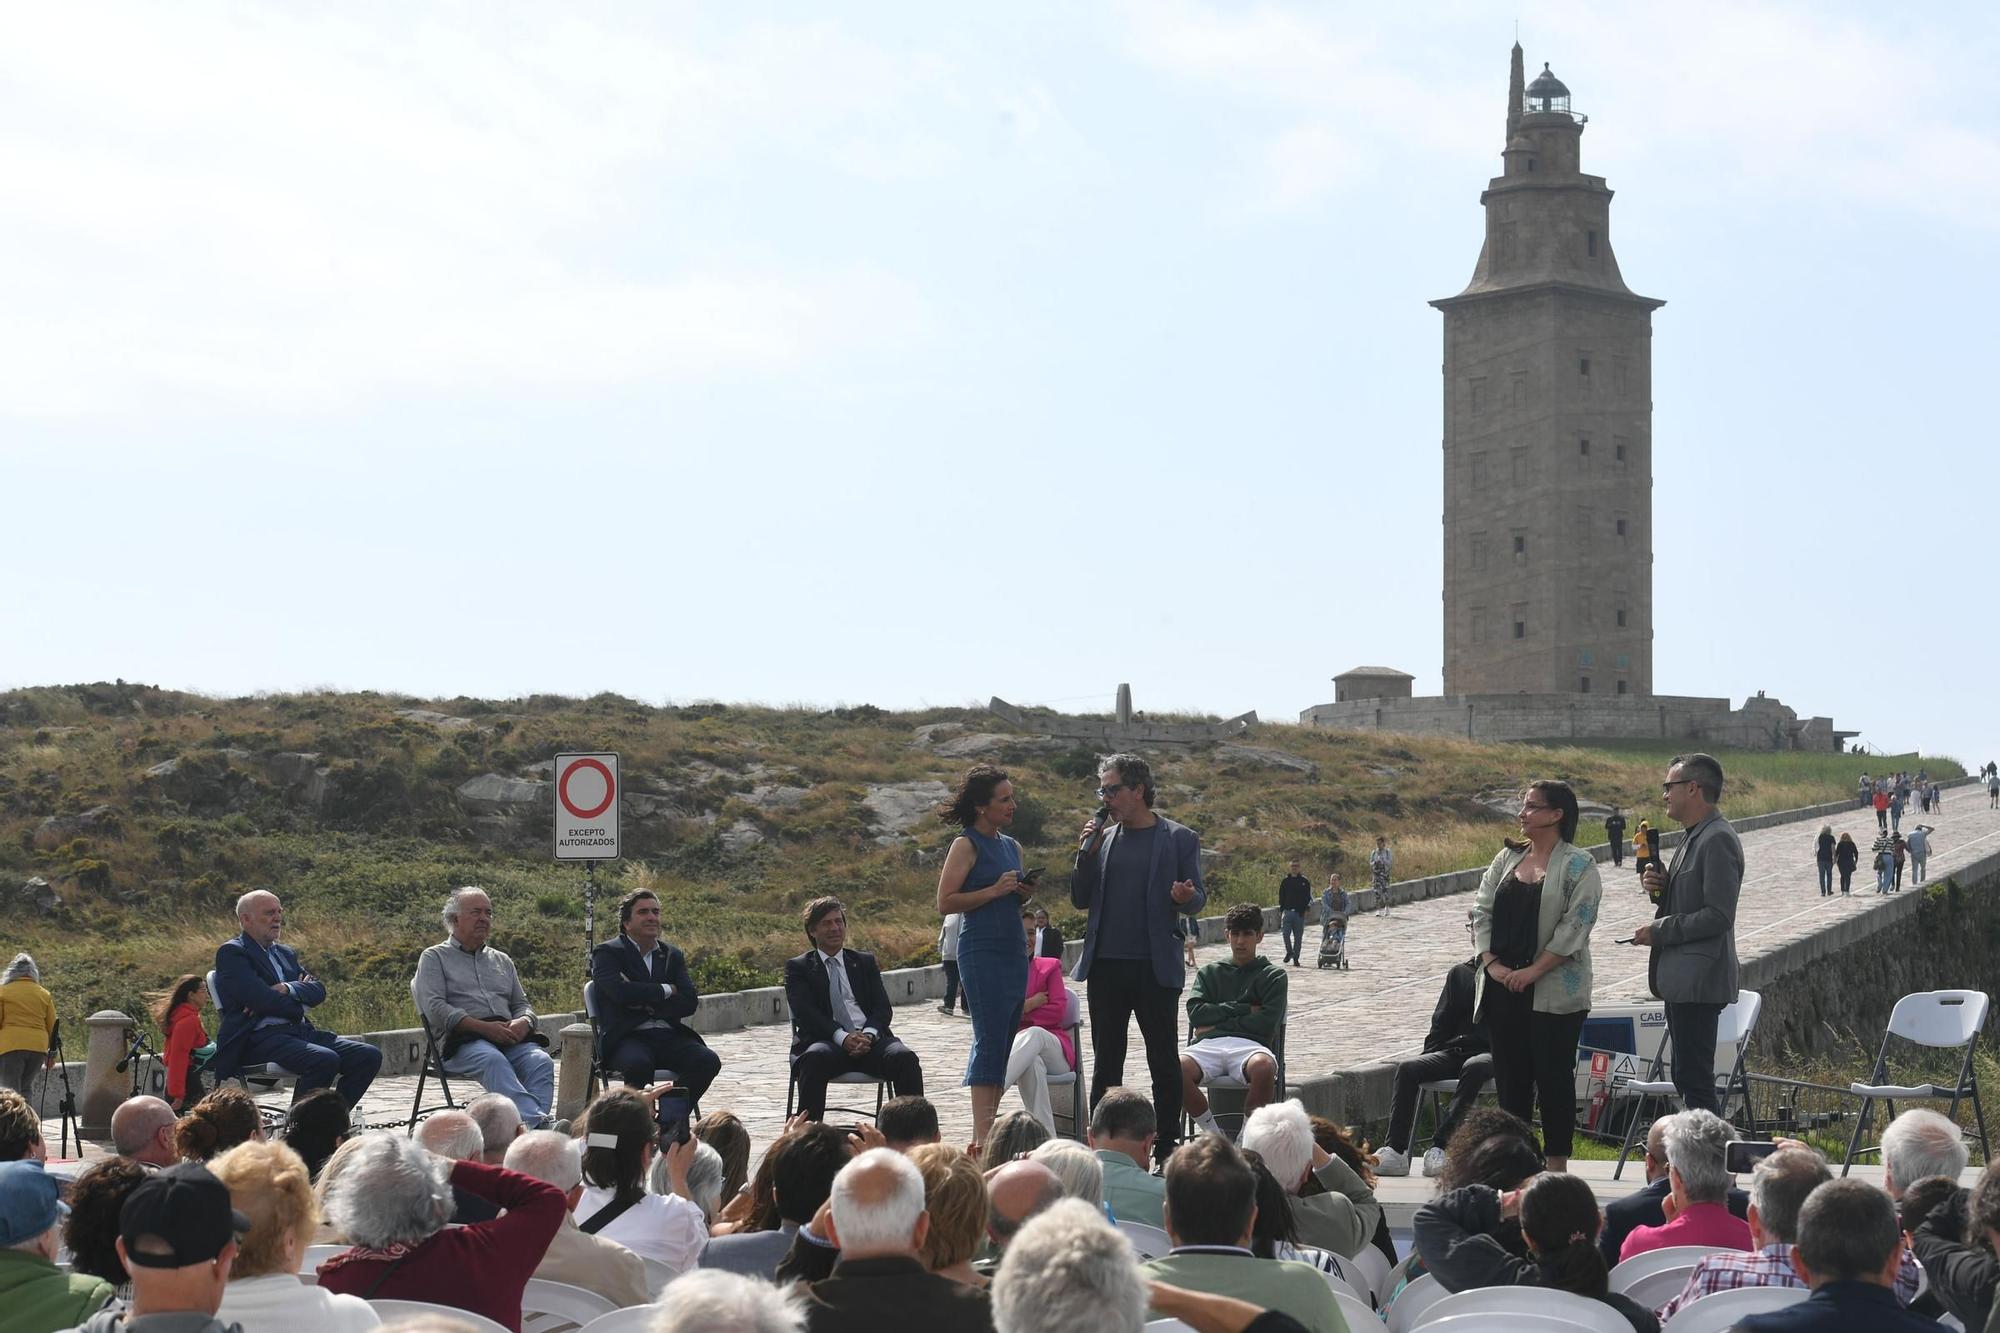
(587, 825)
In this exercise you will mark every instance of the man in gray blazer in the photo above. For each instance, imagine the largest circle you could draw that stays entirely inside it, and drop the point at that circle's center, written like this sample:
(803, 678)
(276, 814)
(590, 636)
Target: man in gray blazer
(1693, 934)
(1138, 876)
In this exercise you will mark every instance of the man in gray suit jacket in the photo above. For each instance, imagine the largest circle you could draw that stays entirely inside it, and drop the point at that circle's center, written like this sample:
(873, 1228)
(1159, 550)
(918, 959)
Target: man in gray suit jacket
(1137, 880)
(1693, 934)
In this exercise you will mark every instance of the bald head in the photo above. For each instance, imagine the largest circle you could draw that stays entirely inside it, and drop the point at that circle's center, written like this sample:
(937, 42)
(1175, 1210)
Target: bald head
(261, 915)
(878, 1206)
(453, 1135)
(1656, 1149)
(1016, 1192)
(142, 1129)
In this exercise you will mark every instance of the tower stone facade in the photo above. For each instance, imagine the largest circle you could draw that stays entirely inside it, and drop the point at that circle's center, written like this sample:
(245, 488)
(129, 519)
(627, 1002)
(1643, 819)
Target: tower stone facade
(1548, 431)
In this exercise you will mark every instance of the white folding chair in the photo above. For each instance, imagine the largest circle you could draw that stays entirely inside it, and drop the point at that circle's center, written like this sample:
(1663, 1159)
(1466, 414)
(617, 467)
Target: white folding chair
(632, 1319)
(1508, 1321)
(1149, 1241)
(1167, 1326)
(268, 1076)
(1415, 1302)
(1940, 1020)
(1566, 1307)
(555, 1307)
(1735, 1024)
(658, 1275)
(315, 1255)
(1719, 1311)
(1639, 1266)
(1658, 1287)
(1072, 1078)
(1360, 1316)
(1339, 1285)
(393, 1310)
(1375, 1268)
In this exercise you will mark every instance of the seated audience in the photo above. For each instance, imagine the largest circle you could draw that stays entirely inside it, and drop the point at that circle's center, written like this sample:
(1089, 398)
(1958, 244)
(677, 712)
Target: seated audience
(453, 1136)
(91, 1232)
(1235, 1009)
(1211, 1200)
(1952, 1243)
(1342, 1219)
(393, 1199)
(704, 1179)
(879, 1224)
(1646, 1207)
(142, 1130)
(645, 995)
(1081, 1176)
(1068, 1270)
(1122, 1129)
(499, 1122)
(803, 1165)
(722, 1131)
(177, 1236)
(472, 999)
(1457, 1235)
(37, 1296)
(1849, 1252)
(1918, 1144)
(20, 1129)
(755, 1208)
(1455, 1047)
(908, 1122)
(574, 1256)
(1042, 1044)
(317, 1124)
(955, 1197)
(328, 1233)
(1013, 1135)
(711, 1301)
(841, 1013)
(268, 1184)
(1274, 1233)
(1494, 1148)
(1341, 1142)
(619, 1143)
(1698, 1190)
(218, 1122)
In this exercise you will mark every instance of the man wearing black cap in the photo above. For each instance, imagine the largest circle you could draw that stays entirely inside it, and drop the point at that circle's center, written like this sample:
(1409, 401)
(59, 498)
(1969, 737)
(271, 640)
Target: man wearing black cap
(35, 1295)
(177, 1237)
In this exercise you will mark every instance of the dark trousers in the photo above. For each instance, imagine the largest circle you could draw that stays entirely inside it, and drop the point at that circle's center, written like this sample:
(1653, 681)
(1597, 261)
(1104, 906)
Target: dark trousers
(1618, 851)
(1534, 1056)
(1846, 878)
(320, 1059)
(821, 1062)
(1292, 926)
(642, 1050)
(1472, 1074)
(1121, 989)
(1882, 820)
(1826, 879)
(1691, 1029)
(951, 984)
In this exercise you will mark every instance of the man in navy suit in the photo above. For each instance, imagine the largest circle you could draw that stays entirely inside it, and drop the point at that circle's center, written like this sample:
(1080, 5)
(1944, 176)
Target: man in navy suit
(1849, 1252)
(644, 997)
(840, 1014)
(1048, 940)
(262, 994)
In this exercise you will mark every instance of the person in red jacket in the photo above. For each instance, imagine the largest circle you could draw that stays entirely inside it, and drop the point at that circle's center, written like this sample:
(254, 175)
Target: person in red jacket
(178, 1014)
(392, 1199)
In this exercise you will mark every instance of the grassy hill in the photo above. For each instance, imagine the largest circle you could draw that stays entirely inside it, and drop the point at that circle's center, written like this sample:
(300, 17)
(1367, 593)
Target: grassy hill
(148, 811)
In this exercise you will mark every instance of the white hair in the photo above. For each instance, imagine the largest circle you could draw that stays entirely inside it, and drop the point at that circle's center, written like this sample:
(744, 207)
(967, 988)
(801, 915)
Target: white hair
(1920, 1143)
(549, 1157)
(1698, 1148)
(243, 903)
(1068, 1268)
(450, 913)
(499, 1120)
(452, 1134)
(389, 1190)
(710, 1300)
(22, 966)
(884, 1224)
(1076, 1166)
(1282, 1135)
(704, 1178)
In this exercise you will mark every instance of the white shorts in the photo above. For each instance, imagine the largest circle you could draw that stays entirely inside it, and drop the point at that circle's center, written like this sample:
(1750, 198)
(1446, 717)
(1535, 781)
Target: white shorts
(1224, 1057)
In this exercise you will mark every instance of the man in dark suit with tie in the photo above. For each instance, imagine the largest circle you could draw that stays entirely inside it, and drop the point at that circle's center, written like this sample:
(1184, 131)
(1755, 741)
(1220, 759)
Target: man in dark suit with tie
(840, 1014)
(262, 994)
(1048, 940)
(644, 997)
(1693, 934)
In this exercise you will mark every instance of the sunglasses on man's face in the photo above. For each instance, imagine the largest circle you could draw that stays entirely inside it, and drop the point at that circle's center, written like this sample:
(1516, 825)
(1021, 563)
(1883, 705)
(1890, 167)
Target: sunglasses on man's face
(1108, 792)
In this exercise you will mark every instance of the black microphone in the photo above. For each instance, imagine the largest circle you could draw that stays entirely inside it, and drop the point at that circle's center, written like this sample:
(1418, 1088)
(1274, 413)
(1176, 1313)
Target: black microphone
(1103, 812)
(138, 1045)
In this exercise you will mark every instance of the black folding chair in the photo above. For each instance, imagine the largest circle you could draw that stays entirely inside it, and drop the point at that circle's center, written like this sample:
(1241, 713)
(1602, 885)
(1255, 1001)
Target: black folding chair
(432, 1067)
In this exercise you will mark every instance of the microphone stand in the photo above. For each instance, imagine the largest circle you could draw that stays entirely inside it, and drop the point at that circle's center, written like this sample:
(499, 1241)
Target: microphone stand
(138, 1057)
(67, 1108)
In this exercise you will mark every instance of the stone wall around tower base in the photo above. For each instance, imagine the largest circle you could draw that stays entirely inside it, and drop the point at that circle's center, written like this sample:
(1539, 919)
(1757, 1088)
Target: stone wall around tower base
(1760, 724)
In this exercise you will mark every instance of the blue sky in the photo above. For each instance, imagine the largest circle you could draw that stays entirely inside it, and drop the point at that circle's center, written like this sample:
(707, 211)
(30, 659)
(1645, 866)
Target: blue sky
(915, 353)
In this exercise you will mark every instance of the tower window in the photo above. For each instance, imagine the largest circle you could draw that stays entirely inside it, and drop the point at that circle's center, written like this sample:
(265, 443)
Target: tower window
(1590, 244)
(1583, 367)
(1618, 451)
(1584, 686)
(1621, 527)
(1621, 617)
(1583, 447)
(1520, 629)
(1520, 544)
(1531, 164)
(1621, 687)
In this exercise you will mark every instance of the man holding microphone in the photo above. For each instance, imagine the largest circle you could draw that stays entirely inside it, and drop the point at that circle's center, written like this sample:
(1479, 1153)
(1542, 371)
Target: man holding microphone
(1693, 933)
(1136, 874)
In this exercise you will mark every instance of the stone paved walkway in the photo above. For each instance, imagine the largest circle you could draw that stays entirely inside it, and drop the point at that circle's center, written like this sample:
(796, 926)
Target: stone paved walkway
(1381, 1008)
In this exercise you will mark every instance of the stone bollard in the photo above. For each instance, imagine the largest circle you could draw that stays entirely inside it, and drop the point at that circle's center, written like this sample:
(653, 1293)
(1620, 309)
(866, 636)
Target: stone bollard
(103, 1086)
(573, 1071)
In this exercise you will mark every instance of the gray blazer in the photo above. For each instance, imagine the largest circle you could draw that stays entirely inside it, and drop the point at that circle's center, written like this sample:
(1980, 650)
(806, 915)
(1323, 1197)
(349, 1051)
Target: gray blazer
(1694, 931)
(752, 1253)
(1176, 856)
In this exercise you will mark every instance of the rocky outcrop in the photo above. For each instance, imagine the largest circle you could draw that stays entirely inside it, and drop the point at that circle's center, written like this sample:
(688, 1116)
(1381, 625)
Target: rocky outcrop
(1261, 756)
(499, 808)
(97, 822)
(894, 808)
(740, 837)
(442, 721)
(35, 895)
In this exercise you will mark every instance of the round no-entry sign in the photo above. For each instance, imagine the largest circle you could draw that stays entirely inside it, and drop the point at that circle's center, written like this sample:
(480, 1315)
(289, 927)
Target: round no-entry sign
(586, 807)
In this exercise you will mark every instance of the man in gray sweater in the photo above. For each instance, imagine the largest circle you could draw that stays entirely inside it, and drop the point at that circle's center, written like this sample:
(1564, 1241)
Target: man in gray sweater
(472, 998)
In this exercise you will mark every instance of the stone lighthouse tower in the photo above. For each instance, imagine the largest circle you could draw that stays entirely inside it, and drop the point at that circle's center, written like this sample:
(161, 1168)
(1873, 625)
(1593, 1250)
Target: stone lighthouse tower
(1548, 431)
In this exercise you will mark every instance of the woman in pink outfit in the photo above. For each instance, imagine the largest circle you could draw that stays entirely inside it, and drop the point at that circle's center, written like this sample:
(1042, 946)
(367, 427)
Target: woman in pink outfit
(1042, 1046)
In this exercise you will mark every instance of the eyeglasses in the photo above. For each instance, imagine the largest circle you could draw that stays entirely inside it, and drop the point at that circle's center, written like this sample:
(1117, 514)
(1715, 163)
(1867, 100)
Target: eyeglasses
(1108, 792)
(1666, 788)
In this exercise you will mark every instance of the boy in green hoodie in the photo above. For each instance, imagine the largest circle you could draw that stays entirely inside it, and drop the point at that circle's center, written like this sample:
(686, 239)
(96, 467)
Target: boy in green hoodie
(1236, 1008)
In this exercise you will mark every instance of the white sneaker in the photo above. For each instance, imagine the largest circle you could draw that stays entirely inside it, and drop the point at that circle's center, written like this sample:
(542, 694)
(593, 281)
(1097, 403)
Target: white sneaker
(1434, 1162)
(1207, 1124)
(1389, 1162)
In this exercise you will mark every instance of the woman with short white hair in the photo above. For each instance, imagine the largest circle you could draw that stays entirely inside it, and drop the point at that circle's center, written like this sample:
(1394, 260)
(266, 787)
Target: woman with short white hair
(710, 1300)
(1342, 1218)
(269, 1185)
(1067, 1269)
(704, 1179)
(1076, 1166)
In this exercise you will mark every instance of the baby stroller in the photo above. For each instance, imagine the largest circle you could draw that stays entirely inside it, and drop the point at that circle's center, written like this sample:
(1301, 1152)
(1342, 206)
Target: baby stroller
(1333, 943)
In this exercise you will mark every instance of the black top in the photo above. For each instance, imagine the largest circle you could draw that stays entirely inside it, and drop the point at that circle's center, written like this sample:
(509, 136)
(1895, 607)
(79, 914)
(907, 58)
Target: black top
(1295, 893)
(1453, 1027)
(1614, 827)
(1825, 849)
(1517, 911)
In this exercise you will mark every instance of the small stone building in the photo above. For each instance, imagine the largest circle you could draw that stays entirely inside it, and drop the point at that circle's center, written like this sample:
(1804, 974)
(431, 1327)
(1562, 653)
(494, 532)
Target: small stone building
(1372, 682)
